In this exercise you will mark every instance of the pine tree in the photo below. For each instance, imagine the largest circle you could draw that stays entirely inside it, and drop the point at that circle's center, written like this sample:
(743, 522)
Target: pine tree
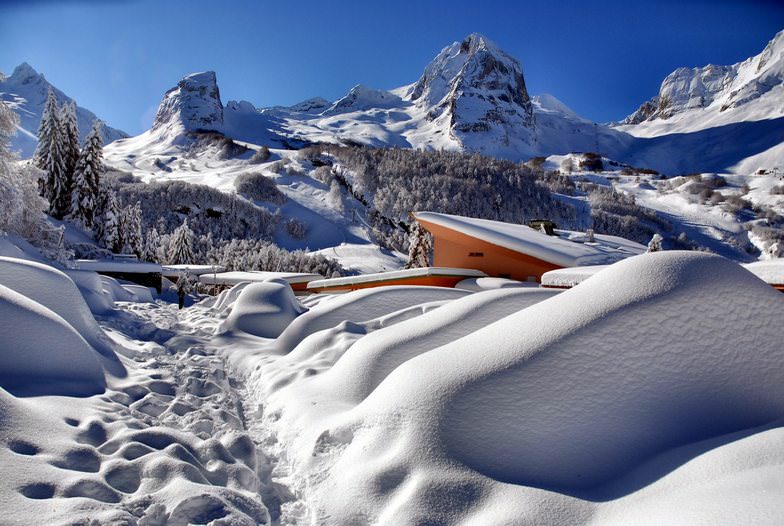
(181, 245)
(655, 244)
(151, 243)
(132, 229)
(69, 130)
(111, 230)
(49, 157)
(419, 247)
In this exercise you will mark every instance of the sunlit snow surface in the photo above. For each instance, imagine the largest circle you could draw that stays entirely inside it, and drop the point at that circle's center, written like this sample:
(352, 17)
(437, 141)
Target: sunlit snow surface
(650, 393)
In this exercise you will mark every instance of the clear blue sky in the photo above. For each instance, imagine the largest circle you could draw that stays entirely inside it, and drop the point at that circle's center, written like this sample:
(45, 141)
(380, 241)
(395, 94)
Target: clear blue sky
(603, 59)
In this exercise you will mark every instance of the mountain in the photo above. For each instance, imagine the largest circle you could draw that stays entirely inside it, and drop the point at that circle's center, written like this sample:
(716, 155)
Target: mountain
(473, 97)
(25, 91)
(723, 117)
(752, 88)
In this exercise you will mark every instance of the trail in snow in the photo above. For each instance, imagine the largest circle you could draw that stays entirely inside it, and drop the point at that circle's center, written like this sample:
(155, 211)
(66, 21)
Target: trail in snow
(183, 391)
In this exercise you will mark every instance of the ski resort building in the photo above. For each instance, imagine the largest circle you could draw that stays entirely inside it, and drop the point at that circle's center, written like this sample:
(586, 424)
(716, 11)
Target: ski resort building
(518, 252)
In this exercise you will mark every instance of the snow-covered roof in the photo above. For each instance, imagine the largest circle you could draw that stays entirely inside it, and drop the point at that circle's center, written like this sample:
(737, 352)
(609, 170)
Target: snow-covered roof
(566, 249)
(108, 265)
(396, 275)
(569, 277)
(770, 271)
(195, 270)
(232, 278)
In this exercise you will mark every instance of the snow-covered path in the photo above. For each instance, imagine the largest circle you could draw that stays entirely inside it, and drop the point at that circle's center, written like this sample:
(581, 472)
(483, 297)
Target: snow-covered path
(183, 388)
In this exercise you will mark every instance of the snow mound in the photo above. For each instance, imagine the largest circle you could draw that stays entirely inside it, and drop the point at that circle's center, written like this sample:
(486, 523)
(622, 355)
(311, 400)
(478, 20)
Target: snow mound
(569, 277)
(358, 306)
(480, 284)
(770, 271)
(571, 395)
(264, 310)
(642, 358)
(374, 357)
(90, 285)
(41, 353)
(56, 291)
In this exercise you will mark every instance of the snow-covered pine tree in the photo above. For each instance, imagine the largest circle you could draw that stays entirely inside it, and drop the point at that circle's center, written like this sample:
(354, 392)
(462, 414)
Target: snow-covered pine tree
(420, 245)
(151, 243)
(181, 245)
(85, 194)
(111, 229)
(132, 229)
(50, 157)
(655, 244)
(69, 130)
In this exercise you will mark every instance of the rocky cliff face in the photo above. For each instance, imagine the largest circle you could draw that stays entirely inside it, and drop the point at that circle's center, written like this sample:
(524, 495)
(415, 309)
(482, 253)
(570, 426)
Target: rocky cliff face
(194, 103)
(25, 92)
(717, 87)
(476, 88)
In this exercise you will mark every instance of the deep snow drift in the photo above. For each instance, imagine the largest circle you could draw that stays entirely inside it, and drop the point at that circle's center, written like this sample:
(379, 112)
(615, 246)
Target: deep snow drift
(590, 396)
(650, 393)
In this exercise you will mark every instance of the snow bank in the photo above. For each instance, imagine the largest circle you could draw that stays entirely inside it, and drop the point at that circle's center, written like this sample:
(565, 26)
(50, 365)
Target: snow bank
(374, 357)
(572, 394)
(480, 284)
(263, 309)
(41, 353)
(56, 291)
(90, 285)
(357, 306)
(566, 278)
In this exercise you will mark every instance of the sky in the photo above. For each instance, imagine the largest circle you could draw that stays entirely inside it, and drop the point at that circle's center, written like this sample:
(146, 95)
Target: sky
(603, 59)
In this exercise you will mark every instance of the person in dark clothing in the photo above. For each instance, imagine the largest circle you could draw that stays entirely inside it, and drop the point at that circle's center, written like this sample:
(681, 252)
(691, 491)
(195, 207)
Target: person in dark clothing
(183, 287)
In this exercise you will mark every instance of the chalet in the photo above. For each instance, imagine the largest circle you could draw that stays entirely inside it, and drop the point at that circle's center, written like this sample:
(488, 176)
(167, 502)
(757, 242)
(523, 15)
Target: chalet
(518, 252)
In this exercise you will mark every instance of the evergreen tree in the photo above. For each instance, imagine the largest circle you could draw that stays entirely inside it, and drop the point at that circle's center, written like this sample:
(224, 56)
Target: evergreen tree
(69, 130)
(132, 229)
(85, 194)
(111, 230)
(151, 243)
(50, 157)
(181, 245)
(420, 245)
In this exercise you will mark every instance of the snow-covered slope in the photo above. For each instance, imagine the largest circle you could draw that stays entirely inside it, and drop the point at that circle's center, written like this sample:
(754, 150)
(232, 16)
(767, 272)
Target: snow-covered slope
(25, 91)
(739, 107)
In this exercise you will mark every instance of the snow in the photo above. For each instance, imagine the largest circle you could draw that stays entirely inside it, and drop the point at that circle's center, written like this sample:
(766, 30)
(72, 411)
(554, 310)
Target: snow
(263, 310)
(770, 271)
(648, 394)
(480, 284)
(235, 277)
(566, 249)
(567, 278)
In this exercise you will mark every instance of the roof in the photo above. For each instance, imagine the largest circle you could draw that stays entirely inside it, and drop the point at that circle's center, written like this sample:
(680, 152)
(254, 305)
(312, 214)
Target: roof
(232, 278)
(109, 265)
(381, 277)
(566, 249)
(194, 270)
(770, 271)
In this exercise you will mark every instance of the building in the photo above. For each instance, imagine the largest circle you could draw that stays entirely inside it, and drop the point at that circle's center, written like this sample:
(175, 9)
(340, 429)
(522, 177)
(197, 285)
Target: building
(517, 251)
(124, 267)
(427, 277)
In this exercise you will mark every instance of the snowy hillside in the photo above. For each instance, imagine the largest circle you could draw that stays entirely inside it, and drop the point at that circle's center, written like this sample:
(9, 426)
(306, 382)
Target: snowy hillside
(25, 91)
(740, 107)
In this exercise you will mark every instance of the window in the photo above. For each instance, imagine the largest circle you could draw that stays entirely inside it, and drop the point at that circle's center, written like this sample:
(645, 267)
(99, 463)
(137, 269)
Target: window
(476, 254)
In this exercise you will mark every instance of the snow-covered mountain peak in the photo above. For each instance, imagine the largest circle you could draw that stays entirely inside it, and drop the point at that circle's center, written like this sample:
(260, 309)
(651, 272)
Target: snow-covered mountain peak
(24, 73)
(311, 105)
(193, 103)
(546, 103)
(714, 87)
(362, 97)
(25, 92)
